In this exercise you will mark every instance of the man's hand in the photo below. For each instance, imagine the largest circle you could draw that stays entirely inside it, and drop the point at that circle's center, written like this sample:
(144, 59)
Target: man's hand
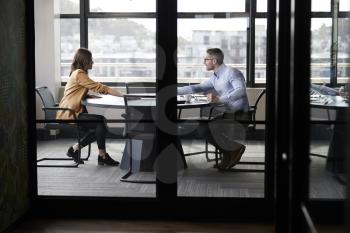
(213, 98)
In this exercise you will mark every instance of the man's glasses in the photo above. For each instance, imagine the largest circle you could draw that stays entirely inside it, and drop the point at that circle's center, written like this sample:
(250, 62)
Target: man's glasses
(206, 59)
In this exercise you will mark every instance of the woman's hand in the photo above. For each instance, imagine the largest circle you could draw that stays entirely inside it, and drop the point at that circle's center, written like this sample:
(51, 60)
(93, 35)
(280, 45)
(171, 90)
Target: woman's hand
(115, 92)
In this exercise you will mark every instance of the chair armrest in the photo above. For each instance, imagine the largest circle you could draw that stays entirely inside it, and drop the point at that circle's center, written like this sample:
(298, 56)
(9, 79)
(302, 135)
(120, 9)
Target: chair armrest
(59, 109)
(212, 109)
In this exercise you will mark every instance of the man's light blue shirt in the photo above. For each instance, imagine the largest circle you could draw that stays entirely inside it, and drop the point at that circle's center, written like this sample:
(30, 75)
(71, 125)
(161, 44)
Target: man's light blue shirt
(324, 90)
(228, 83)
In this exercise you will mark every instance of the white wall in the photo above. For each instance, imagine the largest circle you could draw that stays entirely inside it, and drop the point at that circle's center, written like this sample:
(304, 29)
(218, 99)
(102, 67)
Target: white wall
(47, 51)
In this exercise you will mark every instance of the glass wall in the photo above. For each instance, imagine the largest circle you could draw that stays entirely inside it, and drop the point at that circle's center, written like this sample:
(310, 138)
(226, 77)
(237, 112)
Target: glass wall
(328, 103)
(321, 41)
(124, 49)
(123, 46)
(224, 26)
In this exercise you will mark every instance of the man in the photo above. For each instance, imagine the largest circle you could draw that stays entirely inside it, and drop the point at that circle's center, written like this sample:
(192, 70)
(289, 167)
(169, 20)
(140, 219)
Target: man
(228, 84)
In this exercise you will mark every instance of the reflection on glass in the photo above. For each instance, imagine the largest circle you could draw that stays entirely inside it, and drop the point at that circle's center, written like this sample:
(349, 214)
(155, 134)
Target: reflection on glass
(69, 6)
(195, 36)
(321, 35)
(211, 6)
(260, 50)
(343, 50)
(123, 48)
(70, 42)
(123, 6)
(344, 5)
(321, 5)
(203, 177)
(261, 5)
(328, 143)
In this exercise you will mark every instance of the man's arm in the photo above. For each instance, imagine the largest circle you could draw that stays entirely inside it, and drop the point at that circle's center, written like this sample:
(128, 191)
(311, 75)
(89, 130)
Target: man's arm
(202, 87)
(324, 90)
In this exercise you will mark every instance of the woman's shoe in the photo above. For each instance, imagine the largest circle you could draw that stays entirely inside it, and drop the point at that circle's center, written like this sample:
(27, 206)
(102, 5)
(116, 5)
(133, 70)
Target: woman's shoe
(107, 161)
(74, 155)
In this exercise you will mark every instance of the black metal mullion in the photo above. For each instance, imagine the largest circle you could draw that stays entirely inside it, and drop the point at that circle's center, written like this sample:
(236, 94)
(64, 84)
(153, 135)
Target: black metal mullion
(321, 14)
(260, 14)
(299, 91)
(120, 15)
(166, 105)
(282, 117)
(84, 9)
(69, 16)
(334, 46)
(212, 14)
(344, 14)
(270, 100)
(247, 5)
(251, 51)
(30, 93)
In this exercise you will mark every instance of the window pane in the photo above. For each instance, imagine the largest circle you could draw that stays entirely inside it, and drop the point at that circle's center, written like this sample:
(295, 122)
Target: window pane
(123, 49)
(321, 33)
(70, 42)
(321, 5)
(69, 6)
(210, 6)
(344, 5)
(260, 50)
(123, 6)
(195, 36)
(261, 5)
(343, 50)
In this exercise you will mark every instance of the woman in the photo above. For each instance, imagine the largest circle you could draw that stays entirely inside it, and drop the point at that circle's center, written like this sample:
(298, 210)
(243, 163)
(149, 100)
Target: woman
(77, 89)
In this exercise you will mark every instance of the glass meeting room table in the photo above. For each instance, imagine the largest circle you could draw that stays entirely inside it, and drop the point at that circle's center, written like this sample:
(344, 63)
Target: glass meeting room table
(336, 151)
(143, 152)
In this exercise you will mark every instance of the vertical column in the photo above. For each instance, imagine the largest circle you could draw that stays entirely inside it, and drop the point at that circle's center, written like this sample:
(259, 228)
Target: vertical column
(166, 165)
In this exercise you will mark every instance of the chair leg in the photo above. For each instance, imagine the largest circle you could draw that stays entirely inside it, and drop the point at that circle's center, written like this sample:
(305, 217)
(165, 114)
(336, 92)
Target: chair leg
(207, 152)
(55, 159)
(88, 155)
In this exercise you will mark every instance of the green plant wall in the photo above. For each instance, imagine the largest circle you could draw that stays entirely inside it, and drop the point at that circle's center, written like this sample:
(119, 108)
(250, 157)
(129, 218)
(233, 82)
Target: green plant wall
(14, 194)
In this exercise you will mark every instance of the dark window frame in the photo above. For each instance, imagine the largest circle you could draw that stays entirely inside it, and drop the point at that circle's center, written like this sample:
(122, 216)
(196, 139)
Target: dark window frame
(250, 13)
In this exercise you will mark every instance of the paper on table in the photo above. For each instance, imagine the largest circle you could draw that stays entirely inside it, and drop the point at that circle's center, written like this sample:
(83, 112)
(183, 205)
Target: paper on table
(108, 100)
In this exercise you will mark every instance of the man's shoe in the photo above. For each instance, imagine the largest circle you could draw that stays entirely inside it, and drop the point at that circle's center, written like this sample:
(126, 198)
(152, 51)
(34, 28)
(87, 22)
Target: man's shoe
(225, 160)
(107, 161)
(235, 156)
(74, 155)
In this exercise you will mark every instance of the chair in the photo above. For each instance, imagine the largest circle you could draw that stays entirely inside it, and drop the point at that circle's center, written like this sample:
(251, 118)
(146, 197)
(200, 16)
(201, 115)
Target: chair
(50, 108)
(251, 126)
(253, 109)
(206, 113)
(136, 129)
(140, 87)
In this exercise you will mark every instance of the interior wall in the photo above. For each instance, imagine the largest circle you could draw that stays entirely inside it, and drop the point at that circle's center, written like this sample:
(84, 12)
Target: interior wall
(14, 192)
(47, 50)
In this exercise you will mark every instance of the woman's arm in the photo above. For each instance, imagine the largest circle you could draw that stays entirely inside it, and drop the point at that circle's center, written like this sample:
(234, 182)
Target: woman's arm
(84, 80)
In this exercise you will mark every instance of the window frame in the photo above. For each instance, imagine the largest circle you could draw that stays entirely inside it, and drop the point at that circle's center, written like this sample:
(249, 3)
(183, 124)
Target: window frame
(333, 14)
(250, 13)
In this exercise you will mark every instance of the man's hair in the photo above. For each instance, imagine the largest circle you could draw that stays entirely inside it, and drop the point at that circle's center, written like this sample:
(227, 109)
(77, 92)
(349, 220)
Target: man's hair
(217, 54)
(82, 59)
